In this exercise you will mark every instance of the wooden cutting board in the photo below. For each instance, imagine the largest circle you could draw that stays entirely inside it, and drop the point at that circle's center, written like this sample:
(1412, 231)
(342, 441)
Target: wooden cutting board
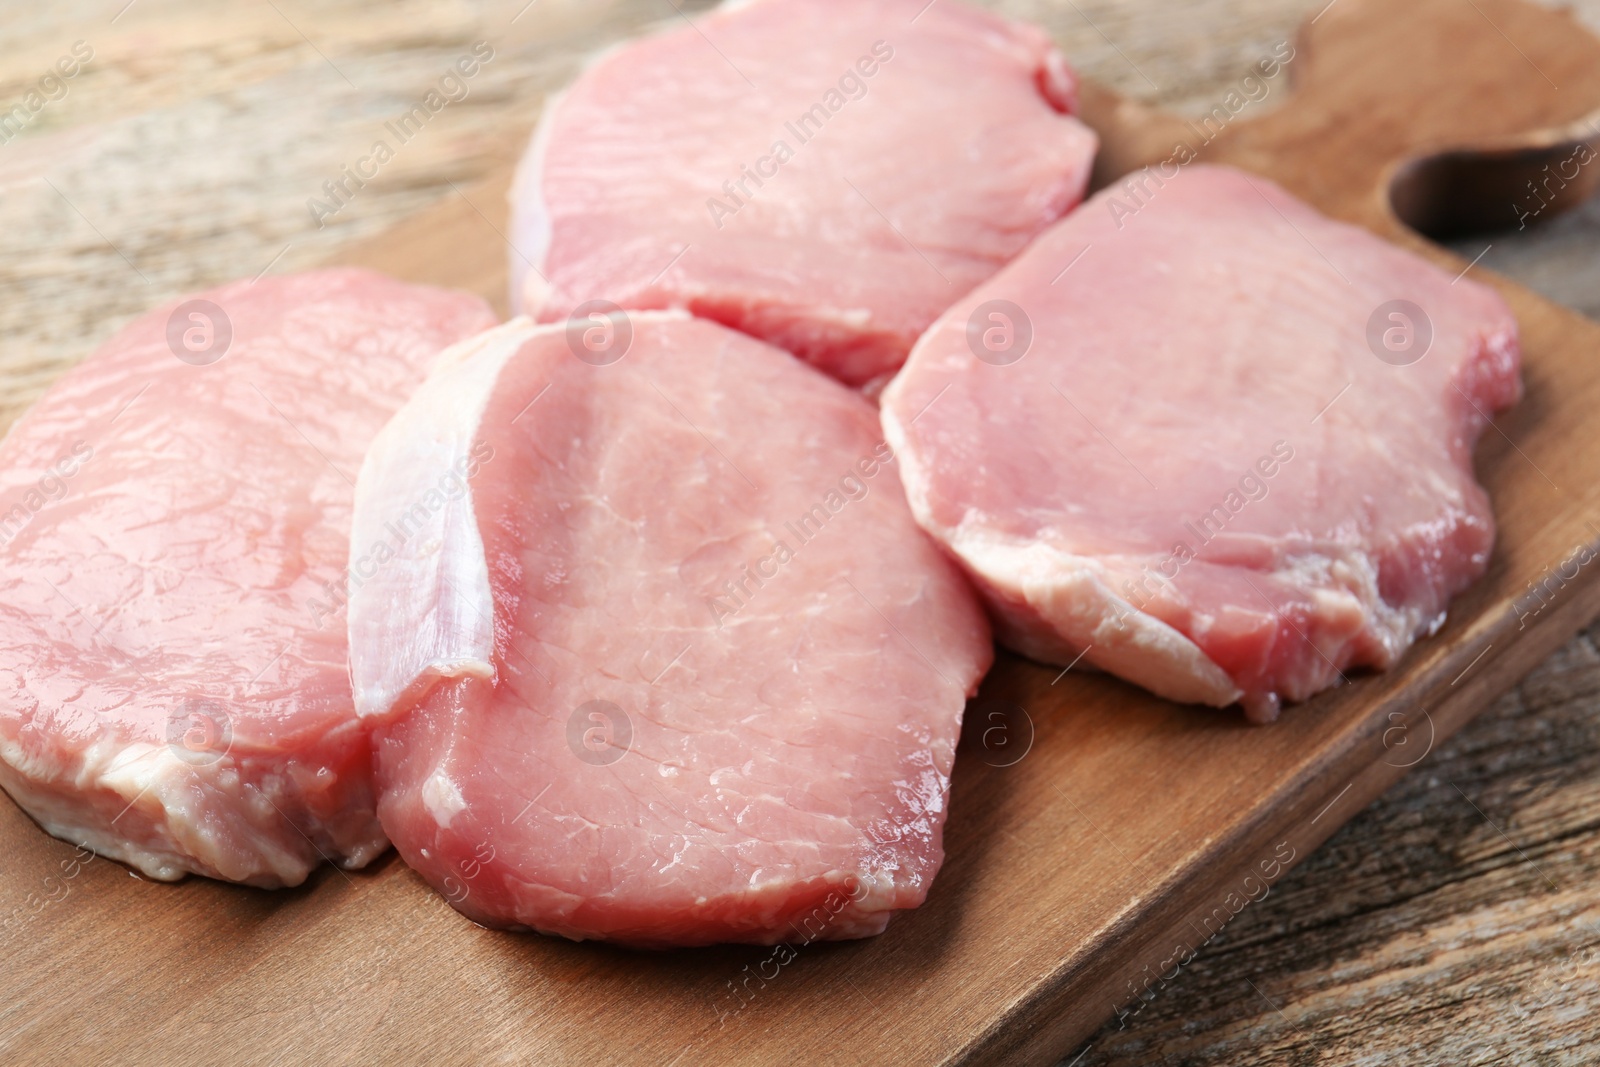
(1097, 838)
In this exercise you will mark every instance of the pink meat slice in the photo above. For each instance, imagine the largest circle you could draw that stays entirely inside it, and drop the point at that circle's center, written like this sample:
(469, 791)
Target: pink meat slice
(174, 687)
(827, 175)
(1199, 474)
(679, 667)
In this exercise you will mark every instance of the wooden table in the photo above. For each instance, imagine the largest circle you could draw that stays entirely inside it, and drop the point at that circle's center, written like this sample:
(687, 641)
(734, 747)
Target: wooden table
(1453, 922)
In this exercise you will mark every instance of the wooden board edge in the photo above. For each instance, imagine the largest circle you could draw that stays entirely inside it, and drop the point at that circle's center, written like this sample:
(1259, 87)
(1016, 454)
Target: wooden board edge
(1074, 1004)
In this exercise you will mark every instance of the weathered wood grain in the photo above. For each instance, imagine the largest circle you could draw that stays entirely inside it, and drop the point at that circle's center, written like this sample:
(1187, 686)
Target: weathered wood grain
(1453, 922)
(184, 154)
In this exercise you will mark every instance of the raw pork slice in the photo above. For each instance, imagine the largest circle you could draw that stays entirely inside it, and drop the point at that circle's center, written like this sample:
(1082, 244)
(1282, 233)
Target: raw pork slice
(1219, 456)
(679, 667)
(174, 520)
(827, 175)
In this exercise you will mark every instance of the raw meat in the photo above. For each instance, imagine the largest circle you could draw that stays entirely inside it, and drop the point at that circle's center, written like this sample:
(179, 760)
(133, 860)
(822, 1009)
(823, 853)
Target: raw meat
(1214, 456)
(174, 519)
(680, 667)
(827, 175)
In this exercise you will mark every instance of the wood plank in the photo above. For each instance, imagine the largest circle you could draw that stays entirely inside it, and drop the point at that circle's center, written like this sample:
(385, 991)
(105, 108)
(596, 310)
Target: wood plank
(1453, 922)
(1070, 872)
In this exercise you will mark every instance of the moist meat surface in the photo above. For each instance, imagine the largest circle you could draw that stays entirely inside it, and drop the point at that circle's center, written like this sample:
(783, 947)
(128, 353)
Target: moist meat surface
(681, 668)
(827, 175)
(1195, 438)
(174, 689)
